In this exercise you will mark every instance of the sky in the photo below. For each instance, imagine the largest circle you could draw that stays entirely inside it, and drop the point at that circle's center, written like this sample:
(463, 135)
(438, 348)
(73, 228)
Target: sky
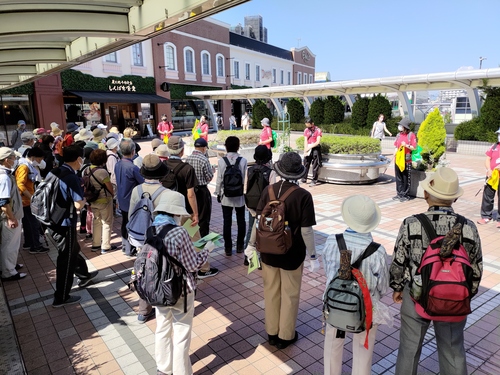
(356, 39)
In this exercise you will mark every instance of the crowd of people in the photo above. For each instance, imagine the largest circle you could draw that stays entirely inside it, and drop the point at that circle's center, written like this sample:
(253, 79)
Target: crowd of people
(110, 162)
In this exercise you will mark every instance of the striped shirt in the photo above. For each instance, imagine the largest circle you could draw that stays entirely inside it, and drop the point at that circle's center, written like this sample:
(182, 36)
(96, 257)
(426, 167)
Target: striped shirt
(412, 243)
(202, 167)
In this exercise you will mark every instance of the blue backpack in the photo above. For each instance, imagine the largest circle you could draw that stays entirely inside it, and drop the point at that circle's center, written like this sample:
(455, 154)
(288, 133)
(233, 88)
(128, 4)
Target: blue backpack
(141, 217)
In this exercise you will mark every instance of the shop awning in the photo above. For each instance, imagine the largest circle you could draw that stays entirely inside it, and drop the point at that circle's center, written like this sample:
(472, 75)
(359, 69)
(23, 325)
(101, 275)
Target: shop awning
(119, 97)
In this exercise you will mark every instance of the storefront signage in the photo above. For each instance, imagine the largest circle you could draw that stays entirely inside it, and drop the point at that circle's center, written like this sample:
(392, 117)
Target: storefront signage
(117, 85)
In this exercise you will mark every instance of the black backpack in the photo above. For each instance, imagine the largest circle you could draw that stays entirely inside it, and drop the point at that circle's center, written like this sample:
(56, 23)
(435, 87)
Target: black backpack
(47, 203)
(156, 279)
(258, 180)
(90, 192)
(170, 180)
(233, 179)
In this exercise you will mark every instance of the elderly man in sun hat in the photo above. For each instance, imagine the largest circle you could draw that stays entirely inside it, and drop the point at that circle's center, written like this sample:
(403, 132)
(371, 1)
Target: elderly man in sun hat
(282, 274)
(16, 134)
(28, 140)
(361, 215)
(440, 191)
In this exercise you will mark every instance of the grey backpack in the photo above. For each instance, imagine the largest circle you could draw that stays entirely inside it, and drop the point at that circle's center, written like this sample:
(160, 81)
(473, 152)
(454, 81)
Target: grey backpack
(343, 304)
(141, 216)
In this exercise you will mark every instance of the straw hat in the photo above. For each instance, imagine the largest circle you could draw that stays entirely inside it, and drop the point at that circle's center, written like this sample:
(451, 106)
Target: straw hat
(443, 184)
(56, 132)
(85, 135)
(114, 129)
(129, 133)
(172, 202)
(360, 213)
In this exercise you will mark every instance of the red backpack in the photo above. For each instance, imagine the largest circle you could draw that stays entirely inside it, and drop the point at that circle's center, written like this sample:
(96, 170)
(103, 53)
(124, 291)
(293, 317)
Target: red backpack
(446, 278)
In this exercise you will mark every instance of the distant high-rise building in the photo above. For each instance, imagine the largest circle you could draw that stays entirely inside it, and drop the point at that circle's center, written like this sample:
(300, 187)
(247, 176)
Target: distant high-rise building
(238, 29)
(265, 35)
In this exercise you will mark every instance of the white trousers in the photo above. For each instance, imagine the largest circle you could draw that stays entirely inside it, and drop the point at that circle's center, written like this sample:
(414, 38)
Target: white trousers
(361, 357)
(9, 247)
(173, 337)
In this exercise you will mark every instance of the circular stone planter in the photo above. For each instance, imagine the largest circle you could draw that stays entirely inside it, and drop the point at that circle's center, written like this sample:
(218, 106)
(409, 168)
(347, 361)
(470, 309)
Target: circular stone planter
(352, 169)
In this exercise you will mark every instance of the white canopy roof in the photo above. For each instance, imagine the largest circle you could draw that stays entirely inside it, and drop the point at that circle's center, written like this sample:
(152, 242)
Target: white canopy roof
(39, 38)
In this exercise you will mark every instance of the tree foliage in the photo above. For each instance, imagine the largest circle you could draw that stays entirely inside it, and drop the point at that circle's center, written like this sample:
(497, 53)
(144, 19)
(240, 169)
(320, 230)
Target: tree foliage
(378, 104)
(295, 109)
(360, 112)
(334, 110)
(259, 111)
(432, 138)
(317, 111)
(490, 114)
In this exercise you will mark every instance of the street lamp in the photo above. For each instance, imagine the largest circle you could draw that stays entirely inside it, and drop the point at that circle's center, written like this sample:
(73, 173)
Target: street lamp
(481, 61)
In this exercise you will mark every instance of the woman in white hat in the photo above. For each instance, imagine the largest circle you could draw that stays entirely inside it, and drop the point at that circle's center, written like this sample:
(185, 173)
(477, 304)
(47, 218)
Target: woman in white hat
(362, 215)
(173, 324)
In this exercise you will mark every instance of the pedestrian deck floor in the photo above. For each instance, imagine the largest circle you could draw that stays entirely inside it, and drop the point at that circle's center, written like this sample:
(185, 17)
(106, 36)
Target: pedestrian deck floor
(101, 335)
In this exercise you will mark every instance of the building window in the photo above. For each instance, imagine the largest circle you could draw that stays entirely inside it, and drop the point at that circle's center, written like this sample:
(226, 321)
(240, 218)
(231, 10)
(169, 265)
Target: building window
(205, 63)
(311, 78)
(236, 68)
(170, 52)
(274, 75)
(111, 57)
(289, 78)
(305, 78)
(220, 66)
(137, 58)
(299, 78)
(282, 77)
(189, 60)
(257, 73)
(247, 71)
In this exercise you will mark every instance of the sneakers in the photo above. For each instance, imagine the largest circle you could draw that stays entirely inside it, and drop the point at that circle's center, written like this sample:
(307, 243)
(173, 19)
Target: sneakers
(96, 248)
(229, 252)
(141, 319)
(40, 250)
(273, 340)
(19, 266)
(209, 273)
(314, 183)
(26, 246)
(483, 221)
(303, 180)
(83, 282)
(104, 251)
(404, 199)
(245, 262)
(69, 301)
(17, 276)
(396, 198)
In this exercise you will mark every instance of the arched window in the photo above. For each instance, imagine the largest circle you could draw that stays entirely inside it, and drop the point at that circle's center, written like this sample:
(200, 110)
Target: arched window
(220, 65)
(205, 63)
(170, 52)
(189, 60)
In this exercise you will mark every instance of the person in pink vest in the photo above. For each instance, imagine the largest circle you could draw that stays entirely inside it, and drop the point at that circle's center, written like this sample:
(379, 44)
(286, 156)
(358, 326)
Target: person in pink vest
(405, 139)
(266, 135)
(165, 128)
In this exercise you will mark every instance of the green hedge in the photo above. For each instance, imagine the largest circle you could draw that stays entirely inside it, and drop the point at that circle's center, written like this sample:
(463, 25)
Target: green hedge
(247, 137)
(76, 80)
(331, 144)
(26, 89)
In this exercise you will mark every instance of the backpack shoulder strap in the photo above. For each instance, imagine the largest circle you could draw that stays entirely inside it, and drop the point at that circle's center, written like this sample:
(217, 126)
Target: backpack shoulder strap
(237, 161)
(157, 192)
(427, 225)
(226, 160)
(341, 241)
(178, 168)
(288, 192)
(370, 249)
(139, 190)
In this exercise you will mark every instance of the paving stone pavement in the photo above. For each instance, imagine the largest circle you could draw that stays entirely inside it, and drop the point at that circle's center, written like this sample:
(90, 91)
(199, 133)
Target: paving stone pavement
(101, 335)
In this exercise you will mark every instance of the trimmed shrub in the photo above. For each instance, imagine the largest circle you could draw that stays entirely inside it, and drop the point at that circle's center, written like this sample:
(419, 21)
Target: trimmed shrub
(490, 114)
(295, 110)
(260, 111)
(378, 104)
(317, 111)
(432, 138)
(472, 130)
(247, 137)
(360, 112)
(331, 144)
(334, 110)
(392, 124)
